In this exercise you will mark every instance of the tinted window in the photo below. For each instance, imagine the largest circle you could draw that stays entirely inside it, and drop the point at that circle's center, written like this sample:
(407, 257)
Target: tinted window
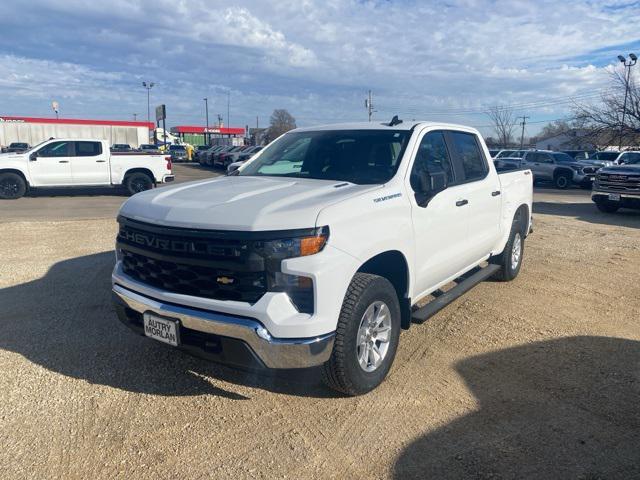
(468, 150)
(605, 155)
(432, 157)
(562, 157)
(357, 156)
(630, 158)
(55, 149)
(88, 149)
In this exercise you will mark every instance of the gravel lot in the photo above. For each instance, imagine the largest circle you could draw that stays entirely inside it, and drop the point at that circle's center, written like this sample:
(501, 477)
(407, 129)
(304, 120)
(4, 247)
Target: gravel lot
(537, 378)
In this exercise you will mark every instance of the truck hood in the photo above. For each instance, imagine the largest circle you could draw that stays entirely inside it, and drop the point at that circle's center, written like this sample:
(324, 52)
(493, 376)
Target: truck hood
(241, 203)
(11, 156)
(621, 169)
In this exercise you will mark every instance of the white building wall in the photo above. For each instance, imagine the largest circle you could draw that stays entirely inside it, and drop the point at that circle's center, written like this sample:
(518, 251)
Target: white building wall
(34, 133)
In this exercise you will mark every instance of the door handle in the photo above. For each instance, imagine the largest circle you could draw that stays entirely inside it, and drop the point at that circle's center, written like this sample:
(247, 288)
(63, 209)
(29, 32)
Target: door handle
(496, 193)
(461, 203)
(100, 161)
(63, 161)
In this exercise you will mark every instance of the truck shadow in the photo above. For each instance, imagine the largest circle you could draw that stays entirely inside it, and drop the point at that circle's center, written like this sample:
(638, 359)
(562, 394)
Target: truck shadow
(565, 408)
(78, 192)
(587, 212)
(65, 323)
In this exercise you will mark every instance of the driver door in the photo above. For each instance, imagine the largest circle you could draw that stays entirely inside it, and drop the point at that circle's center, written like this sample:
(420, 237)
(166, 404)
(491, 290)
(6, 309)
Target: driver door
(440, 227)
(51, 165)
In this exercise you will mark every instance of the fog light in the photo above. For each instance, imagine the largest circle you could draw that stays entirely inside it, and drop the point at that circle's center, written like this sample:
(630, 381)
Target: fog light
(298, 288)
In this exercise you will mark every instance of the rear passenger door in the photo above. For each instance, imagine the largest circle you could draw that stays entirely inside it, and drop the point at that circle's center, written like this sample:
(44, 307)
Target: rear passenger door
(90, 164)
(481, 191)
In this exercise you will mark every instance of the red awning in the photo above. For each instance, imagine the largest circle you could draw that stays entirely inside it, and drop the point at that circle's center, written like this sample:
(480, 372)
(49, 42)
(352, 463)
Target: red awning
(76, 121)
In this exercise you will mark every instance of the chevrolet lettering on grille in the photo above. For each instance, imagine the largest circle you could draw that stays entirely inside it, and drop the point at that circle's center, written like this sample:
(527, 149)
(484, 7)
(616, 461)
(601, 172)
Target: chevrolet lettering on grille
(617, 178)
(176, 246)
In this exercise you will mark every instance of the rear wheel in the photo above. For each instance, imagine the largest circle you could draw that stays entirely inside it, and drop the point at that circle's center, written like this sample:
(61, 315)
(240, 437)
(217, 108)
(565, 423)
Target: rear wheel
(366, 337)
(12, 186)
(607, 207)
(562, 180)
(510, 260)
(138, 182)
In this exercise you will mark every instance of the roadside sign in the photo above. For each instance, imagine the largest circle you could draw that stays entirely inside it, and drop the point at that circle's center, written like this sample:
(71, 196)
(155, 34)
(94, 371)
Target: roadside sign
(161, 112)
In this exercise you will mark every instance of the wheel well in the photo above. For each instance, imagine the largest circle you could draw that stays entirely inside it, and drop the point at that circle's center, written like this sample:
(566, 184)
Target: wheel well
(393, 266)
(524, 211)
(17, 172)
(146, 171)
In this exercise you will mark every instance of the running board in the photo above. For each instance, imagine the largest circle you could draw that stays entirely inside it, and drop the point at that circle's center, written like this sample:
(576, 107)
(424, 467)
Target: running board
(464, 284)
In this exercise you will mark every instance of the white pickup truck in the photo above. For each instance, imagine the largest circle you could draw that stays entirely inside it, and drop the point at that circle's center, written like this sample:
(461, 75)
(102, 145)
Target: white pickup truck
(80, 163)
(317, 251)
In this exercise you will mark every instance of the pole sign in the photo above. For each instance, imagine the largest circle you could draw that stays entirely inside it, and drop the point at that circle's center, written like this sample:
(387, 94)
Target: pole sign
(161, 112)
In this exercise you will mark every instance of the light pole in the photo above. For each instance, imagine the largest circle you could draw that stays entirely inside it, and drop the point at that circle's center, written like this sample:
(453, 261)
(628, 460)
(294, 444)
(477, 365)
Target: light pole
(633, 59)
(207, 139)
(148, 86)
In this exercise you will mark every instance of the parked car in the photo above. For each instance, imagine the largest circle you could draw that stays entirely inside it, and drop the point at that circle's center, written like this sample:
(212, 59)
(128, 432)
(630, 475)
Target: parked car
(178, 153)
(618, 186)
(80, 163)
(242, 158)
(219, 158)
(244, 153)
(211, 154)
(315, 252)
(17, 147)
(493, 152)
(121, 147)
(556, 167)
(200, 149)
(149, 148)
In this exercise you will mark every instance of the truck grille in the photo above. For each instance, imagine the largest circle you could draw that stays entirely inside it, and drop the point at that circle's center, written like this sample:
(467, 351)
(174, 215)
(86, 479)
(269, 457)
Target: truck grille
(619, 182)
(200, 263)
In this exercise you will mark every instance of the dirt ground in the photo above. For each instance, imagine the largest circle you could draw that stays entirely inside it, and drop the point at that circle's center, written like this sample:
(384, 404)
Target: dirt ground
(537, 378)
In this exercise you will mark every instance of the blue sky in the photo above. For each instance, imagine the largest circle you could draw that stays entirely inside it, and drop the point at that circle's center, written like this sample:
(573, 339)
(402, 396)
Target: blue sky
(422, 59)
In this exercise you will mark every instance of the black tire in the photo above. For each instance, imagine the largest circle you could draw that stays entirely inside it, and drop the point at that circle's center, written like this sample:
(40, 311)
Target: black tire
(138, 182)
(562, 180)
(12, 186)
(607, 207)
(343, 372)
(508, 271)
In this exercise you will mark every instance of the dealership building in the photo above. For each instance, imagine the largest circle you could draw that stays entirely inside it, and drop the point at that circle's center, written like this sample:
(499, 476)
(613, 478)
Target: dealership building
(34, 130)
(196, 135)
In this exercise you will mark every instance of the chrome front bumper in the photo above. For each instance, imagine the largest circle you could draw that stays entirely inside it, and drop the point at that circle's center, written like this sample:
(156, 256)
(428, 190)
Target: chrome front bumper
(272, 352)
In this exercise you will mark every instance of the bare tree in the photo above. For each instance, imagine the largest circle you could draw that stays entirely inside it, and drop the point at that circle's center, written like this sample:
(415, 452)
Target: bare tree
(603, 120)
(504, 123)
(281, 121)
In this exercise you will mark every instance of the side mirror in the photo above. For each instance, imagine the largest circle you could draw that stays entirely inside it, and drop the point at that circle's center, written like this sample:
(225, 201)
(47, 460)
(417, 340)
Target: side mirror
(33, 157)
(429, 185)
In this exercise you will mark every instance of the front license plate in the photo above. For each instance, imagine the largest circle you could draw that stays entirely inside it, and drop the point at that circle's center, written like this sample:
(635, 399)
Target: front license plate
(614, 196)
(161, 329)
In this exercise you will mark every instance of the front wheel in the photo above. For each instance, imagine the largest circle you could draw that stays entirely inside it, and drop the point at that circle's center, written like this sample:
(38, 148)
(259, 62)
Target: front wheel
(562, 181)
(12, 186)
(366, 337)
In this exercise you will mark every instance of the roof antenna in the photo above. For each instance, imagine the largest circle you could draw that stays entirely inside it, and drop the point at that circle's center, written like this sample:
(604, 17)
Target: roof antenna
(394, 121)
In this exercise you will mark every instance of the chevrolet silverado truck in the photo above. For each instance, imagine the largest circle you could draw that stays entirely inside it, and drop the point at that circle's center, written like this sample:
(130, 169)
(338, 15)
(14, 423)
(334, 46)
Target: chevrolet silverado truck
(80, 163)
(618, 187)
(318, 250)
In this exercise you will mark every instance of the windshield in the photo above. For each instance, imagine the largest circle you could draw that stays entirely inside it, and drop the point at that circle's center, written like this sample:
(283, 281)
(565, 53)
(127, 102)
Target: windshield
(505, 153)
(605, 155)
(631, 158)
(356, 156)
(562, 157)
(176, 147)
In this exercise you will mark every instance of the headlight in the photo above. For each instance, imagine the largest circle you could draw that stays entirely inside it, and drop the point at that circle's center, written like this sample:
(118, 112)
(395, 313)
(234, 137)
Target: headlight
(302, 246)
(298, 288)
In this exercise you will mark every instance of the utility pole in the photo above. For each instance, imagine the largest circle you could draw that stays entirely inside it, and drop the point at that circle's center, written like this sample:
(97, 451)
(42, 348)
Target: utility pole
(219, 120)
(135, 117)
(228, 108)
(207, 135)
(523, 123)
(627, 65)
(368, 104)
